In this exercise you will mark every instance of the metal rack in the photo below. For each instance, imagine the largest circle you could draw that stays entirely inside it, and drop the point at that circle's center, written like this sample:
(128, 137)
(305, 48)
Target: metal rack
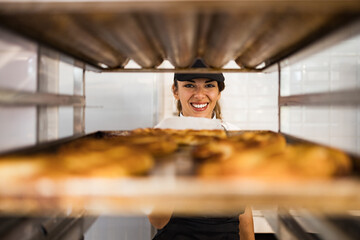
(257, 35)
(51, 227)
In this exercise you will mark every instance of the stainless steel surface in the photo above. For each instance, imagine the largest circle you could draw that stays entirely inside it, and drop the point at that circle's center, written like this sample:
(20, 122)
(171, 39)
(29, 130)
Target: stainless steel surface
(79, 112)
(289, 229)
(124, 34)
(18, 98)
(347, 223)
(183, 70)
(272, 38)
(45, 228)
(47, 83)
(176, 33)
(279, 96)
(79, 120)
(227, 38)
(324, 228)
(79, 79)
(299, 223)
(21, 228)
(48, 70)
(47, 123)
(345, 97)
(271, 216)
(107, 34)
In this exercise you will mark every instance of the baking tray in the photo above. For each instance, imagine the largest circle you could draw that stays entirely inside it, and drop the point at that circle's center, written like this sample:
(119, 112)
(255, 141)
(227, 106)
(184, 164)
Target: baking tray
(107, 34)
(171, 187)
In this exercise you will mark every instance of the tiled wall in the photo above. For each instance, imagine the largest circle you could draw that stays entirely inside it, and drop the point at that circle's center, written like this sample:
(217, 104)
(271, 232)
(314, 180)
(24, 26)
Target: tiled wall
(334, 126)
(250, 100)
(336, 68)
(120, 101)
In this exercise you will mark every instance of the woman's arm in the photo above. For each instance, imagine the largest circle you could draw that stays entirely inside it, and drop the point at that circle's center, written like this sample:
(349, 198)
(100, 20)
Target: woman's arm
(159, 221)
(246, 225)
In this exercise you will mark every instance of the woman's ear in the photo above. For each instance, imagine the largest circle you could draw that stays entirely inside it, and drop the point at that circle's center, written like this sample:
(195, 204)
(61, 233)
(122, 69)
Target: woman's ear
(175, 92)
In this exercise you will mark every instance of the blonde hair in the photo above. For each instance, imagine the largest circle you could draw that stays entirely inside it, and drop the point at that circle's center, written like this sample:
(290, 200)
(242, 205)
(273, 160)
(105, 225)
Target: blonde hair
(217, 108)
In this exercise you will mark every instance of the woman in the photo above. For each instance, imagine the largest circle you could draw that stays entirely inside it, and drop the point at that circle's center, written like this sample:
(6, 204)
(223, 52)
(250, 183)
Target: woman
(197, 95)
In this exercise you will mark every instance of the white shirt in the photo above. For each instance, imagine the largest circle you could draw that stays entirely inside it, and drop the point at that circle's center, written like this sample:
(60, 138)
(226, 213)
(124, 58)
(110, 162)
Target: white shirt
(198, 123)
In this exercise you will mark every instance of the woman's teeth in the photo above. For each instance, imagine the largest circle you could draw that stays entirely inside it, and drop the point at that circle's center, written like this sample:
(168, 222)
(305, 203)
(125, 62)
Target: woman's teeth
(199, 105)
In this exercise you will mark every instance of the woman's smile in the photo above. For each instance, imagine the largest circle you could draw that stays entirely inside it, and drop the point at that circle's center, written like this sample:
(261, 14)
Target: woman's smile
(199, 106)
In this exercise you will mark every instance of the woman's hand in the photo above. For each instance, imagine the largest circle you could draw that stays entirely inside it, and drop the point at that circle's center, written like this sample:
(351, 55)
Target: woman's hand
(246, 225)
(160, 215)
(159, 221)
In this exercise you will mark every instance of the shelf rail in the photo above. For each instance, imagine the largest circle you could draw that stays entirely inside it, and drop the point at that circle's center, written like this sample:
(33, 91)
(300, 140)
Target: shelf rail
(341, 97)
(22, 98)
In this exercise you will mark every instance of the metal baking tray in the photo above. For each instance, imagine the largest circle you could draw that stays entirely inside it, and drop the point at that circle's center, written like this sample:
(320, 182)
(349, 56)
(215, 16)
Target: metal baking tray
(107, 34)
(172, 187)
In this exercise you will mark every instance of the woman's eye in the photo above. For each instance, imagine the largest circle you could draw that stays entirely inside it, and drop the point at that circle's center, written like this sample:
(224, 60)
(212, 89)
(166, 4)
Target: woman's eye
(189, 85)
(209, 85)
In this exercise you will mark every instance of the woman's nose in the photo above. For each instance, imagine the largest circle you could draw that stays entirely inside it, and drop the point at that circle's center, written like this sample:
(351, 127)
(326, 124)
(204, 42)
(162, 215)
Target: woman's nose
(199, 92)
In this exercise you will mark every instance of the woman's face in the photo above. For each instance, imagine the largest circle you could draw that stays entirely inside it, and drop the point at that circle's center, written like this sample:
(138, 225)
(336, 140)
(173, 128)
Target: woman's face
(198, 97)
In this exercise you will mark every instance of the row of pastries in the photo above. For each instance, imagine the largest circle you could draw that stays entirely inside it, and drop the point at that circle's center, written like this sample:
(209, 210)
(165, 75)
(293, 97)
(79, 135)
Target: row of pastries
(246, 154)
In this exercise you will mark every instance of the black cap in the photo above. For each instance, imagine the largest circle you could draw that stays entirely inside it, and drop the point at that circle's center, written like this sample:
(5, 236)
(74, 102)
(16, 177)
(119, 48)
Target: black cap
(219, 77)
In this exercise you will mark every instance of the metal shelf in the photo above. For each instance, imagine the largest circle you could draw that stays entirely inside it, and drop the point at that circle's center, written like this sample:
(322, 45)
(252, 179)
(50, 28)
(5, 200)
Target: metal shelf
(106, 34)
(345, 97)
(171, 187)
(21, 98)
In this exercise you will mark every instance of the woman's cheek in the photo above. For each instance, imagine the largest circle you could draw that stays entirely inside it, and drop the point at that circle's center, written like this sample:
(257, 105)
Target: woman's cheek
(214, 95)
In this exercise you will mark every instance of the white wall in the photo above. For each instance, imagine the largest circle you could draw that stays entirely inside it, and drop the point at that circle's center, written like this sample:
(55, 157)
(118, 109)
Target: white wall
(250, 100)
(336, 68)
(120, 101)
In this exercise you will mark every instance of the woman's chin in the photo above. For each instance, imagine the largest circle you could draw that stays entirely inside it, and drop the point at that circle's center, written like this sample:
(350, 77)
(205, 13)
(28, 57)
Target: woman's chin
(202, 114)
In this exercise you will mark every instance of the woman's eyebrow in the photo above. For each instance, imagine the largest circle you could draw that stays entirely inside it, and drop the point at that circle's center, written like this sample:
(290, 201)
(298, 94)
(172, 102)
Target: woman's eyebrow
(209, 81)
(190, 81)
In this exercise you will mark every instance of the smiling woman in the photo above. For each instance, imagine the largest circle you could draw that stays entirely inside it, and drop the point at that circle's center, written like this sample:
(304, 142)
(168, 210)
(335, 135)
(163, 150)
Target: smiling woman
(197, 95)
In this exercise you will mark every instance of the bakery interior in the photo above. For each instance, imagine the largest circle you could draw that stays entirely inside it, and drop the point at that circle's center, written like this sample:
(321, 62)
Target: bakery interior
(74, 68)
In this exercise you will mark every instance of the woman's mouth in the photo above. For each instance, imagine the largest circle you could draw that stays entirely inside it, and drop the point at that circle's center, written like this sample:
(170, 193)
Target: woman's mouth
(199, 106)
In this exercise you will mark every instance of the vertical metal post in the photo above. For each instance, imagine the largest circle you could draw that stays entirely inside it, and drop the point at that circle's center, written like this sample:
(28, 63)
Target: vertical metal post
(156, 101)
(79, 111)
(279, 96)
(37, 89)
(48, 82)
(84, 94)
